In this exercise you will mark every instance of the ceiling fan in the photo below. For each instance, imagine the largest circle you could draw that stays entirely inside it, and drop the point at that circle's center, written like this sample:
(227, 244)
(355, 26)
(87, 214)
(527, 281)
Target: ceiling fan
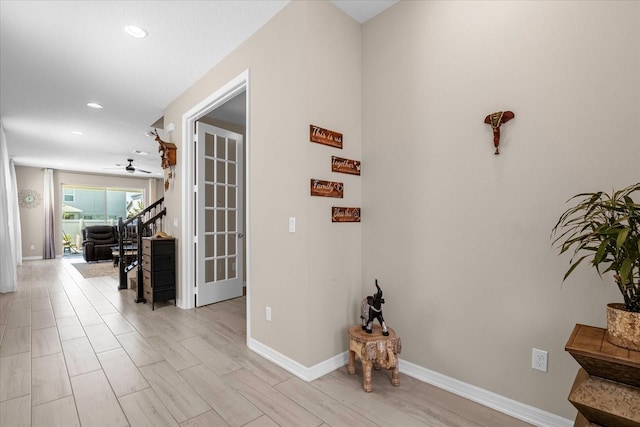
(130, 168)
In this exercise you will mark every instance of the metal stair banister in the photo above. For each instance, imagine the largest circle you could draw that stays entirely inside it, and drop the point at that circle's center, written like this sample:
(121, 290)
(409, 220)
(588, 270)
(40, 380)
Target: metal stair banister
(147, 223)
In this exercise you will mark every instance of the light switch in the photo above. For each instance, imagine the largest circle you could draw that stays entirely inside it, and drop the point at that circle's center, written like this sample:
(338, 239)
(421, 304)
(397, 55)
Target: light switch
(292, 224)
(175, 222)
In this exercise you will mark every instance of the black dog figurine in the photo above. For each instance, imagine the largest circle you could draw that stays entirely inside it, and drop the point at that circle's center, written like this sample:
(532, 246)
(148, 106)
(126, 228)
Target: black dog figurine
(371, 309)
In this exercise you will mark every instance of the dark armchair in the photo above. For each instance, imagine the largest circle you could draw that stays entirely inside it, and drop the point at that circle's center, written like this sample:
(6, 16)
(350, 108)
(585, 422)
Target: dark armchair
(98, 241)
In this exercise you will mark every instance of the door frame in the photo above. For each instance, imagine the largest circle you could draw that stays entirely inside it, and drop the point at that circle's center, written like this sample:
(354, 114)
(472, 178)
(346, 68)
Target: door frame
(234, 87)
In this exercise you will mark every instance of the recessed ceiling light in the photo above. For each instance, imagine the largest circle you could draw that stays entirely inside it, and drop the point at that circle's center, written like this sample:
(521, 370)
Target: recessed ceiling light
(140, 152)
(77, 132)
(94, 105)
(135, 31)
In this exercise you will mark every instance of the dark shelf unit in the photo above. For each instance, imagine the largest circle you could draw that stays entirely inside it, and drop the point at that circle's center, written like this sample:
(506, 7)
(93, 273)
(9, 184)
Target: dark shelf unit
(159, 269)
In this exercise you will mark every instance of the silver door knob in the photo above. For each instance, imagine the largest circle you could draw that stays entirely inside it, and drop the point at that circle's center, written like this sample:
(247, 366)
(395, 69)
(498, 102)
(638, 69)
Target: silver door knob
(240, 235)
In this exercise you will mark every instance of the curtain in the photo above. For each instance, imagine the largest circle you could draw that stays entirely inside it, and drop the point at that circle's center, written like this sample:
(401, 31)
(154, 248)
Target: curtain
(8, 218)
(49, 215)
(15, 219)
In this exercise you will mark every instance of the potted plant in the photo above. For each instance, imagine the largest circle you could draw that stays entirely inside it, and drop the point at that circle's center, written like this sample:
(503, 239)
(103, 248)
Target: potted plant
(604, 229)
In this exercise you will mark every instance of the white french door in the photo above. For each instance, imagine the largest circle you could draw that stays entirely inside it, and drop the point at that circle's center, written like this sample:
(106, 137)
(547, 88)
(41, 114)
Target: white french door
(219, 214)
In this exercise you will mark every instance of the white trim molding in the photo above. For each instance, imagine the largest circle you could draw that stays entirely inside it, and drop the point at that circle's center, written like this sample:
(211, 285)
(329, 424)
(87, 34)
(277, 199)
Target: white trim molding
(234, 87)
(511, 407)
(300, 371)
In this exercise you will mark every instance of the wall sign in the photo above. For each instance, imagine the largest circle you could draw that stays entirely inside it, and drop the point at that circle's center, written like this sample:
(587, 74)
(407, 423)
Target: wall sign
(325, 136)
(342, 214)
(326, 188)
(338, 164)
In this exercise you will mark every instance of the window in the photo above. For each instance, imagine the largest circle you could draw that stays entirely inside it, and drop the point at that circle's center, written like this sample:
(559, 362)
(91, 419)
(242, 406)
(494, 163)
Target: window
(68, 195)
(85, 205)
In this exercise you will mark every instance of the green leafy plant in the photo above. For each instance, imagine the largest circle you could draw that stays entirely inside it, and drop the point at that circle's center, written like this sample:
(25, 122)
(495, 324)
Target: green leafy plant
(135, 208)
(605, 229)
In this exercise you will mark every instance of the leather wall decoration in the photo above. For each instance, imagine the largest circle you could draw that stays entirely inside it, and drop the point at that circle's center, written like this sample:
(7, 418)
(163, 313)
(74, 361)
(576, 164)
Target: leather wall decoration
(496, 120)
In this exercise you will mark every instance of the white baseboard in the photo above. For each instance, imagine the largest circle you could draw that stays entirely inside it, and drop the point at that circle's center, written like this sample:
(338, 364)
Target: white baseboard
(300, 371)
(513, 408)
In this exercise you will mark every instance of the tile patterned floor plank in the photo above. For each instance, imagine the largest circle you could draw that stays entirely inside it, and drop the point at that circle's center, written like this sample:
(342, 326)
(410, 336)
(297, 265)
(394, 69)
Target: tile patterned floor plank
(96, 403)
(15, 376)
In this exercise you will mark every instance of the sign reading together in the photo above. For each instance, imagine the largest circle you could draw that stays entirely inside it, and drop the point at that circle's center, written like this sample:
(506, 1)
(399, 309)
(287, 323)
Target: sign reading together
(338, 164)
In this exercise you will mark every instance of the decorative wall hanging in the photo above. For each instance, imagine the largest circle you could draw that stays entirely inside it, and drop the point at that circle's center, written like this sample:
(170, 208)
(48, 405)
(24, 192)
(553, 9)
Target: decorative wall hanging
(326, 188)
(325, 137)
(168, 155)
(342, 214)
(338, 164)
(496, 120)
(29, 198)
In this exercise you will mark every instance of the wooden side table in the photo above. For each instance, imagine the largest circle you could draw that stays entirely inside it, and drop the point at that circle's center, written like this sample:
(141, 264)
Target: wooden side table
(374, 350)
(606, 391)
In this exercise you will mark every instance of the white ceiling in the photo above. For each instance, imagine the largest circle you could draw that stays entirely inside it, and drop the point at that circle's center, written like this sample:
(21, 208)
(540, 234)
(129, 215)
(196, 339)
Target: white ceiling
(56, 56)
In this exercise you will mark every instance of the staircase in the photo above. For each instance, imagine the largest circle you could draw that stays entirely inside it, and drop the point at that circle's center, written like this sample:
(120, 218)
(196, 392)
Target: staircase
(130, 233)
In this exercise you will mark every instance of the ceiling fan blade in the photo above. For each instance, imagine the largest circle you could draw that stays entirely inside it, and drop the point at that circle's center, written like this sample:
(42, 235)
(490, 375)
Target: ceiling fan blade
(128, 167)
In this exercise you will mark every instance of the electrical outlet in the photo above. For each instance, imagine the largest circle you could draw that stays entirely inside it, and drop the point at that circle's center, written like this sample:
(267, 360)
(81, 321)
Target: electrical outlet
(539, 360)
(268, 313)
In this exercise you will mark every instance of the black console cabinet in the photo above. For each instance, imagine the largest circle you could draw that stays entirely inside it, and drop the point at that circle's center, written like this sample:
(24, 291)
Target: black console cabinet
(159, 269)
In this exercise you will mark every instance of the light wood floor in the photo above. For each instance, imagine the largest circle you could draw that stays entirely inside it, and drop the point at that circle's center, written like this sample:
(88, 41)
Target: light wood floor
(77, 351)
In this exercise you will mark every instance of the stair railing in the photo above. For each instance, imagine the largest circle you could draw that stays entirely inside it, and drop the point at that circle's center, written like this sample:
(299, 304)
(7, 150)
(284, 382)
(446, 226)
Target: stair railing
(130, 233)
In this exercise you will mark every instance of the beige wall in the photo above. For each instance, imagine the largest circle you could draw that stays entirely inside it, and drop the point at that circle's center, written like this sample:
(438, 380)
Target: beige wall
(305, 68)
(32, 219)
(459, 237)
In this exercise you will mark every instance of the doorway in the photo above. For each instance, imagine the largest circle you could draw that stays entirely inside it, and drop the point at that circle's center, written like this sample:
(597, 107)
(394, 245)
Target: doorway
(224, 249)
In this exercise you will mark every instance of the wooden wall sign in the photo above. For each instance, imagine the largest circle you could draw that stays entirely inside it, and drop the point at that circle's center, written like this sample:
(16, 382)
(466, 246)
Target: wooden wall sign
(342, 214)
(338, 164)
(325, 136)
(326, 188)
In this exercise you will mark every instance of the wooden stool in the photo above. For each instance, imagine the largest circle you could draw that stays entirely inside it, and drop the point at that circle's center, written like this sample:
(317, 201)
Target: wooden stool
(374, 350)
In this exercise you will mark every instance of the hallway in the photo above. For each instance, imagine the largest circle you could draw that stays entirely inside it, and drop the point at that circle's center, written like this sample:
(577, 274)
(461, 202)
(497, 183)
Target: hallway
(76, 351)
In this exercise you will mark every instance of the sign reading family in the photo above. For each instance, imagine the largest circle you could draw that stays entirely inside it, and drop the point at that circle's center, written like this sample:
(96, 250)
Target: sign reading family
(326, 188)
(325, 136)
(341, 165)
(341, 214)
